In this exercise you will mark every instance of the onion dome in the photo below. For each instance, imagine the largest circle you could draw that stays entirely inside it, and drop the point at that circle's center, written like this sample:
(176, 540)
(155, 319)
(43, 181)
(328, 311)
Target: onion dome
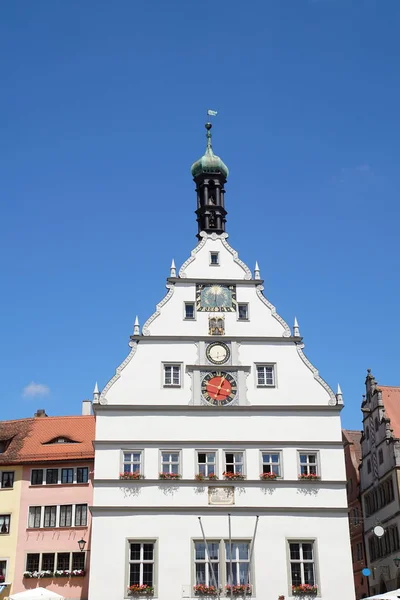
(209, 162)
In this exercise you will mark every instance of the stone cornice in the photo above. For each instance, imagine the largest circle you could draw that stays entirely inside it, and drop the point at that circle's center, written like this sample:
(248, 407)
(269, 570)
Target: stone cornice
(222, 483)
(125, 444)
(215, 338)
(199, 510)
(227, 410)
(222, 279)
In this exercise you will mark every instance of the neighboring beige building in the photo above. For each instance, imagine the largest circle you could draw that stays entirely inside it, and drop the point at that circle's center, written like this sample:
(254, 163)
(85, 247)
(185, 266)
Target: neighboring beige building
(379, 483)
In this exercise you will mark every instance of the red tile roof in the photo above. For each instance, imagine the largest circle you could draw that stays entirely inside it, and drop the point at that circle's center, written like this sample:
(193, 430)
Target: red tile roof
(354, 439)
(29, 439)
(391, 402)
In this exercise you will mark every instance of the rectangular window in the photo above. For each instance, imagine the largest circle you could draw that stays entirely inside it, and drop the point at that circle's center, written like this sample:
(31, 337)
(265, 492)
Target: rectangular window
(170, 462)
(4, 524)
(240, 563)
(368, 466)
(37, 477)
(141, 563)
(243, 311)
(48, 561)
(32, 562)
(359, 551)
(7, 479)
(66, 515)
(133, 462)
(206, 562)
(67, 476)
(3, 570)
(35, 513)
(206, 463)
(63, 561)
(265, 376)
(214, 258)
(82, 475)
(302, 566)
(51, 476)
(380, 456)
(50, 515)
(234, 462)
(78, 560)
(81, 515)
(189, 310)
(271, 462)
(172, 375)
(308, 464)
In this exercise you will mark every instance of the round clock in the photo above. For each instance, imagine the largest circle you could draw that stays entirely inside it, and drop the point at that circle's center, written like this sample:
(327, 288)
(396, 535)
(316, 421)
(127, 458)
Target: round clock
(219, 388)
(218, 353)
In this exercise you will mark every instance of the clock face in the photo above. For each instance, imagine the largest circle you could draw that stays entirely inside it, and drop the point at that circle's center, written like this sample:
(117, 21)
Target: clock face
(216, 298)
(219, 388)
(218, 353)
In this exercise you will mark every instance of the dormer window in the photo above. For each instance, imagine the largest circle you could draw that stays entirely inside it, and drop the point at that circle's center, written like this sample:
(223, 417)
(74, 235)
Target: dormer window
(4, 445)
(62, 440)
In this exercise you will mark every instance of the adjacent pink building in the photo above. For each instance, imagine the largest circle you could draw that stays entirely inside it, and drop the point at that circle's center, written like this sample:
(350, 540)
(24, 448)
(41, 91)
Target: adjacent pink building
(53, 548)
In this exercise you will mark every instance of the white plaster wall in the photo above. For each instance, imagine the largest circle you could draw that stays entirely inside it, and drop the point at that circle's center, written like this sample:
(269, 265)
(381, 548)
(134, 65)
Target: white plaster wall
(200, 268)
(174, 535)
(109, 461)
(205, 424)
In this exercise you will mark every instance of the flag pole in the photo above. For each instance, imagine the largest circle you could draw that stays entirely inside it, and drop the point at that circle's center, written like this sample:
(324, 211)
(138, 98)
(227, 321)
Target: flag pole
(252, 549)
(209, 558)
(230, 553)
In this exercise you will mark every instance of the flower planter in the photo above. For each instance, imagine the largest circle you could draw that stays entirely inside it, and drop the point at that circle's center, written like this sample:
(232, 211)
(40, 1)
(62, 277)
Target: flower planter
(304, 589)
(65, 573)
(200, 477)
(131, 476)
(78, 573)
(206, 590)
(308, 477)
(170, 476)
(268, 476)
(238, 590)
(38, 574)
(140, 590)
(233, 476)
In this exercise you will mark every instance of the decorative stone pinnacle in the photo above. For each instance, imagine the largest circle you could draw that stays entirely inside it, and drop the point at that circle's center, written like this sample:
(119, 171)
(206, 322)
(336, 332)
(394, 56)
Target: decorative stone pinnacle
(172, 269)
(136, 327)
(96, 393)
(296, 328)
(257, 271)
(339, 395)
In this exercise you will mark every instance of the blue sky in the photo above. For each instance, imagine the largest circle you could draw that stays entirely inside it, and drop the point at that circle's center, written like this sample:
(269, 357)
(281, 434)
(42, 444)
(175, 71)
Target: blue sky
(102, 107)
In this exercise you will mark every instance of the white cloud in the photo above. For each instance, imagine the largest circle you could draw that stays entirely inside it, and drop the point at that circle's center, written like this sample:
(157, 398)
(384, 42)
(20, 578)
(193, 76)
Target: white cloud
(35, 389)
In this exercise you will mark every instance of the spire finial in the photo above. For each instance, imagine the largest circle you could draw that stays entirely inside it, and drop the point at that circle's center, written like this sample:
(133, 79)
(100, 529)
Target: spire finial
(96, 393)
(257, 271)
(172, 272)
(136, 327)
(296, 328)
(339, 395)
(209, 149)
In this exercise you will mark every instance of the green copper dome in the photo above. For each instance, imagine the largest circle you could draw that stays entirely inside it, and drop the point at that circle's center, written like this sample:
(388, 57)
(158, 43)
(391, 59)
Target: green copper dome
(209, 162)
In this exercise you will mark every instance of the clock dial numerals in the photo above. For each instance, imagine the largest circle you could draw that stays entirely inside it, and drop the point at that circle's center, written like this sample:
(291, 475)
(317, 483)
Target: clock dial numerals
(216, 298)
(219, 388)
(218, 353)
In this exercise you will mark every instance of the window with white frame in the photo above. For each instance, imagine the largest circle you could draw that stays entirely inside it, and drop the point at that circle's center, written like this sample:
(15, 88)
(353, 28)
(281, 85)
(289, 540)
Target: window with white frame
(206, 463)
(63, 561)
(3, 570)
(4, 524)
(172, 375)
(35, 514)
(81, 515)
(212, 562)
(271, 462)
(67, 475)
(265, 375)
(240, 552)
(234, 462)
(243, 311)
(51, 476)
(308, 463)
(170, 462)
(33, 562)
(48, 561)
(50, 516)
(189, 311)
(302, 565)
(78, 561)
(37, 477)
(7, 479)
(66, 515)
(141, 563)
(206, 563)
(214, 258)
(132, 461)
(82, 475)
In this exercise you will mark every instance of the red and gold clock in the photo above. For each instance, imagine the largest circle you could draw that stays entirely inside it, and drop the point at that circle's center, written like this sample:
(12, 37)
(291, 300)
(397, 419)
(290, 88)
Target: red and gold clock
(219, 388)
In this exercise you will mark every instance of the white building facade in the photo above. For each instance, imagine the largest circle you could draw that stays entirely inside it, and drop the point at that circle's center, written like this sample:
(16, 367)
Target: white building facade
(219, 465)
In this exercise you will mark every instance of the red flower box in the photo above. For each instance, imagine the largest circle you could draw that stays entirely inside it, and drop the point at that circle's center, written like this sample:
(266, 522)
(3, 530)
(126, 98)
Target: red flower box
(205, 590)
(239, 590)
(140, 590)
(233, 476)
(268, 476)
(309, 476)
(131, 476)
(169, 476)
(305, 589)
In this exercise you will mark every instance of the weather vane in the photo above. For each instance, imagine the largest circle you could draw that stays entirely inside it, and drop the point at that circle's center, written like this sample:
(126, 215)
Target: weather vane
(212, 113)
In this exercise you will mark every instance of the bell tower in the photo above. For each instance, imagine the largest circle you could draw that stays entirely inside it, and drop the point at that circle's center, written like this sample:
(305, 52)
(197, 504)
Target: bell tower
(210, 174)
